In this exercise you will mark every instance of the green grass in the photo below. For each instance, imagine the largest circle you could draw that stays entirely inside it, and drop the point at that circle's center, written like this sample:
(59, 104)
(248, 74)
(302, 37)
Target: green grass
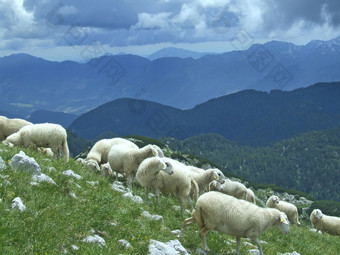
(54, 221)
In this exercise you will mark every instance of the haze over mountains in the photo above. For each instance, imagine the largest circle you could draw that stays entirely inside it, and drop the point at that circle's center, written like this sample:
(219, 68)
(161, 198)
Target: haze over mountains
(249, 117)
(28, 83)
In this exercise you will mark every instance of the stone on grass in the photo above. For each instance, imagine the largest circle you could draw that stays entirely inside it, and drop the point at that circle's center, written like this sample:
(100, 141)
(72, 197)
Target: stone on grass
(136, 199)
(125, 243)
(173, 247)
(95, 239)
(22, 162)
(288, 253)
(2, 164)
(38, 178)
(72, 174)
(18, 204)
(119, 186)
(155, 217)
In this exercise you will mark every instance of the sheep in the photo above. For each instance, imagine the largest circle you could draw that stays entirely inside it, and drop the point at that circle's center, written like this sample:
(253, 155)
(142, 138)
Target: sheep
(325, 223)
(231, 188)
(100, 150)
(288, 208)
(179, 183)
(239, 218)
(10, 126)
(45, 135)
(149, 170)
(125, 160)
(250, 197)
(159, 151)
(206, 177)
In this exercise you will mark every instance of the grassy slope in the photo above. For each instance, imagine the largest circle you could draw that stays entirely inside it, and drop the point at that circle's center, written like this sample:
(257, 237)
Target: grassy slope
(54, 221)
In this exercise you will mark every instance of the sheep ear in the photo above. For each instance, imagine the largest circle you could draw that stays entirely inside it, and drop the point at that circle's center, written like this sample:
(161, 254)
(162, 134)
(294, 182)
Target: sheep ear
(284, 220)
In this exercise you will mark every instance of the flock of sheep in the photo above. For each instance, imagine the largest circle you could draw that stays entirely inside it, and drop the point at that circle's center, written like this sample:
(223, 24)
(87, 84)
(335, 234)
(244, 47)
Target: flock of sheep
(221, 204)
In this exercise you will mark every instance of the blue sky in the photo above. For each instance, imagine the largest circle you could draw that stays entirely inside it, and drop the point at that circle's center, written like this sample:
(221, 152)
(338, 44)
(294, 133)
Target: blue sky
(64, 30)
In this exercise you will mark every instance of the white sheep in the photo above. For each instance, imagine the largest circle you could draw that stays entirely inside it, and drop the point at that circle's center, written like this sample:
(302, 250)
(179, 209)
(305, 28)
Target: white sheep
(232, 216)
(125, 160)
(179, 183)
(100, 151)
(159, 151)
(250, 197)
(231, 188)
(11, 126)
(204, 178)
(288, 208)
(325, 223)
(45, 135)
(149, 170)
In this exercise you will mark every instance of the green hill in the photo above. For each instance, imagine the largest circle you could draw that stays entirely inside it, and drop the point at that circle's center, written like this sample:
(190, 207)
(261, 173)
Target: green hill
(57, 222)
(310, 162)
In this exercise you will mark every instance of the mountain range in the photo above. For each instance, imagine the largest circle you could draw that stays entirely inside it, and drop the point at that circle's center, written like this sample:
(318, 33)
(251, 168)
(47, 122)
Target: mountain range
(248, 117)
(29, 83)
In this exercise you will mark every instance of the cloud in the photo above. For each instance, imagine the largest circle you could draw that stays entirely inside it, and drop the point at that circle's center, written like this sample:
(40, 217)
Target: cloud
(152, 21)
(15, 19)
(129, 22)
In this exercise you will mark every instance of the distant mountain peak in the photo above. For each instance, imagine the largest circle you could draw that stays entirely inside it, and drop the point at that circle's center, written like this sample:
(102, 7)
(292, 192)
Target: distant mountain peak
(176, 52)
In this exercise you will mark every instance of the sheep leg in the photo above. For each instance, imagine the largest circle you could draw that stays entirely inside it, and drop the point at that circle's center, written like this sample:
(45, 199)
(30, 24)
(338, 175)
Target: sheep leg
(238, 241)
(157, 192)
(203, 233)
(187, 222)
(257, 241)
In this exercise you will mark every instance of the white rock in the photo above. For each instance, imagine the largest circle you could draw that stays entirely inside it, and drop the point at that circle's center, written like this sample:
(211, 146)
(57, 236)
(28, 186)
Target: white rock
(4, 176)
(254, 252)
(37, 178)
(93, 183)
(113, 224)
(173, 247)
(73, 195)
(75, 247)
(2, 164)
(119, 186)
(136, 199)
(51, 169)
(125, 243)
(72, 174)
(95, 239)
(156, 217)
(17, 203)
(22, 162)
(176, 232)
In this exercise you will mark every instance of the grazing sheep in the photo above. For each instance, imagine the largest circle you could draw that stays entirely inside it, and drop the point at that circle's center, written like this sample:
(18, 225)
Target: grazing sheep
(126, 160)
(325, 223)
(231, 188)
(287, 208)
(250, 197)
(179, 183)
(239, 218)
(45, 135)
(149, 170)
(11, 126)
(100, 151)
(206, 177)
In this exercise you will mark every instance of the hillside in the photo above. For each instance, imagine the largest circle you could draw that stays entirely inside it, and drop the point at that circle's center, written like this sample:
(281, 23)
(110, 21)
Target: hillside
(309, 162)
(248, 117)
(28, 83)
(63, 218)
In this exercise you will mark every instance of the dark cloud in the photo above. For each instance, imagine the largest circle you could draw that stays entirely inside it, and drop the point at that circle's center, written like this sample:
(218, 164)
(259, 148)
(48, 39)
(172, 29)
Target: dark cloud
(283, 14)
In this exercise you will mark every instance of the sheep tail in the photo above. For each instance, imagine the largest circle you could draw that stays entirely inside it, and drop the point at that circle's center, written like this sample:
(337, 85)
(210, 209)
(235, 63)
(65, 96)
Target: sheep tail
(195, 189)
(66, 152)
